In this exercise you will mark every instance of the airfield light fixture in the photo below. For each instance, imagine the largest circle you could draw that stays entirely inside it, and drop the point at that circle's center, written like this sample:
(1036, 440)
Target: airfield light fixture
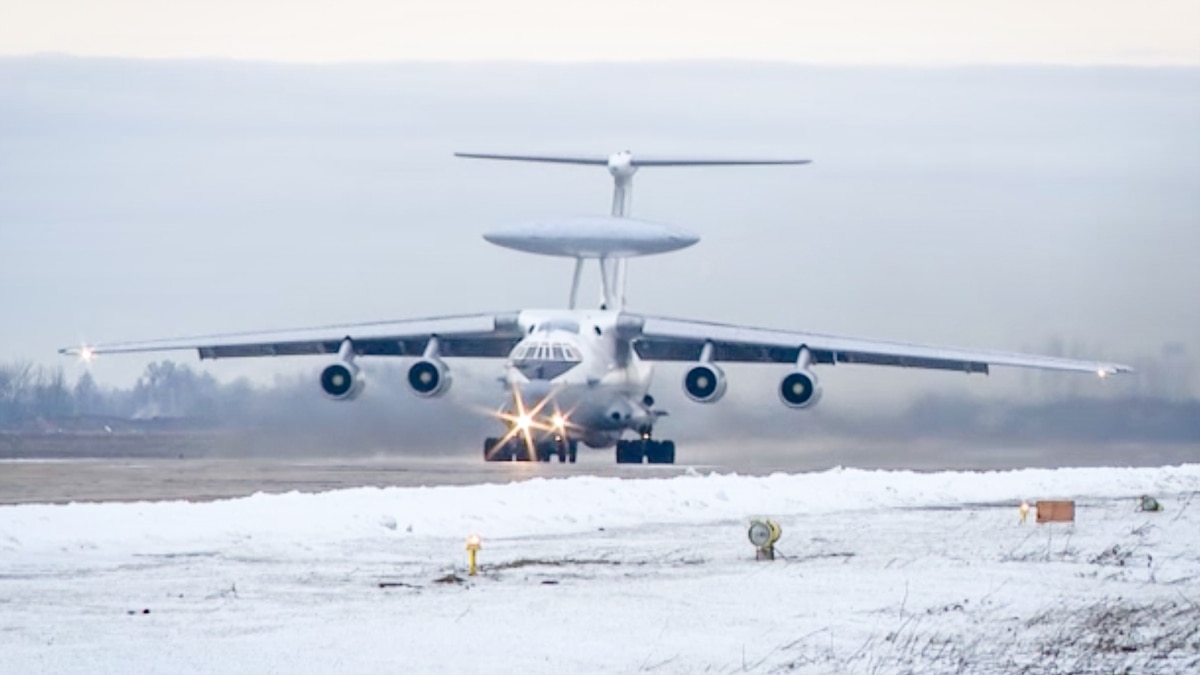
(763, 534)
(1024, 509)
(474, 543)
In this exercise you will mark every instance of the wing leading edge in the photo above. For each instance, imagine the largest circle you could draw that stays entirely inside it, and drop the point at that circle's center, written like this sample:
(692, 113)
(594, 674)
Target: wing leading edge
(468, 335)
(665, 339)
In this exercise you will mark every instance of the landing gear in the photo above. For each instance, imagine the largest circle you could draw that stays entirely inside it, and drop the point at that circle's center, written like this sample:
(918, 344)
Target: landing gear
(562, 448)
(512, 450)
(515, 450)
(645, 449)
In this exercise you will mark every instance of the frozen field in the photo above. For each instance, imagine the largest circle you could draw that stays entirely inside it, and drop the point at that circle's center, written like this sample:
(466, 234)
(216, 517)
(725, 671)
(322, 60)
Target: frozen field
(885, 571)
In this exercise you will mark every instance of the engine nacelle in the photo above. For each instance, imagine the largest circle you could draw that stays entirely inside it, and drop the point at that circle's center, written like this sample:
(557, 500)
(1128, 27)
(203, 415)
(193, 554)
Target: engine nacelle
(429, 377)
(800, 389)
(704, 383)
(342, 381)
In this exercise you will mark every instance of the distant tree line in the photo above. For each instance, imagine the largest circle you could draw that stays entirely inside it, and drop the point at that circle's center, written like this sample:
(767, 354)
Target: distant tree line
(40, 399)
(29, 392)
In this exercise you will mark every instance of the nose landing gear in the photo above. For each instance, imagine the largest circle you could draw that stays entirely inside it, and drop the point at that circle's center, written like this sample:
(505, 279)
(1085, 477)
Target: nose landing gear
(515, 450)
(645, 449)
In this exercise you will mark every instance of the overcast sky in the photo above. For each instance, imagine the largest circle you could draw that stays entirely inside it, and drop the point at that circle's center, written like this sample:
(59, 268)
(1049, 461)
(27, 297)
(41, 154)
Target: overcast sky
(1014, 207)
(990, 207)
(1146, 32)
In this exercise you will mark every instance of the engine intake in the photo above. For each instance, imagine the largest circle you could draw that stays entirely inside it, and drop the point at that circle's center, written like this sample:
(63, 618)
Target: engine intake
(429, 378)
(342, 381)
(800, 389)
(704, 383)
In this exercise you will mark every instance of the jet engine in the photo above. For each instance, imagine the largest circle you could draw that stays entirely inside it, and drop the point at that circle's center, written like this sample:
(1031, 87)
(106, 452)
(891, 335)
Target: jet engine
(800, 389)
(342, 381)
(704, 383)
(429, 377)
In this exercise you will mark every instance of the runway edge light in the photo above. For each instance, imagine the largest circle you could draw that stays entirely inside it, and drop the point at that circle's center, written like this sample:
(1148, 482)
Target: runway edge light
(474, 543)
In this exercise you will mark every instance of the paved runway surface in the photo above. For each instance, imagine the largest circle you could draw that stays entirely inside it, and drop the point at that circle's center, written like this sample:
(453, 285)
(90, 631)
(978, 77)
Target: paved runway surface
(51, 480)
(23, 482)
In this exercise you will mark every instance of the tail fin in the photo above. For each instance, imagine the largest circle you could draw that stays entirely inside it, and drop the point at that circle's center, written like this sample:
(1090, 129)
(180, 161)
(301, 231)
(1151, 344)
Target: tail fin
(622, 166)
(639, 161)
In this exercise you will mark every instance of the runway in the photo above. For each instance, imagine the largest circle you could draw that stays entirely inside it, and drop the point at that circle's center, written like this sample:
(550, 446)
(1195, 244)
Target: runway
(98, 479)
(102, 480)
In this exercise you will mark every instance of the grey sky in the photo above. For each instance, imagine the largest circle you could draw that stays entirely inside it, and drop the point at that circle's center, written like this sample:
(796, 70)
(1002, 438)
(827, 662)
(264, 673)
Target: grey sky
(810, 31)
(989, 207)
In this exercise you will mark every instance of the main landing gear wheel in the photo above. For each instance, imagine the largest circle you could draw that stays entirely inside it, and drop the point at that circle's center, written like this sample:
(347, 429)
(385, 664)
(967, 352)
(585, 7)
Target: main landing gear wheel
(562, 448)
(652, 452)
(514, 449)
(511, 450)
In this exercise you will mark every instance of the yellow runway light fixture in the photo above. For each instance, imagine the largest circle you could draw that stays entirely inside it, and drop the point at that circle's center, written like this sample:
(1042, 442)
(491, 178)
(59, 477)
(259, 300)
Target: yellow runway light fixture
(1024, 509)
(473, 546)
(763, 534)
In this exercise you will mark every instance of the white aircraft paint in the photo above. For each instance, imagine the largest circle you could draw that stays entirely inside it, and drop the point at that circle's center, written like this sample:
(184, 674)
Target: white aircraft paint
(584, 375)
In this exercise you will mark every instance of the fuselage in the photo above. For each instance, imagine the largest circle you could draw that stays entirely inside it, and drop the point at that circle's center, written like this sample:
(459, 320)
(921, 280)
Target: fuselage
(574, 368)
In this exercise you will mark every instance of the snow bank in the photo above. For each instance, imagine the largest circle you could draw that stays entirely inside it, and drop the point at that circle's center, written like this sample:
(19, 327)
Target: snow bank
(549, 506)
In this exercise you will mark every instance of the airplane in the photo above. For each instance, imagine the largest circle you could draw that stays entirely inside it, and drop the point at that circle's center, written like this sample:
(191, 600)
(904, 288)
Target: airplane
(584, 374)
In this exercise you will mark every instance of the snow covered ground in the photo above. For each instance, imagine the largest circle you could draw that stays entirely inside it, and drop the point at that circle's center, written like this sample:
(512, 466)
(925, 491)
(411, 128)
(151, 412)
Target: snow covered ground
(885, 571)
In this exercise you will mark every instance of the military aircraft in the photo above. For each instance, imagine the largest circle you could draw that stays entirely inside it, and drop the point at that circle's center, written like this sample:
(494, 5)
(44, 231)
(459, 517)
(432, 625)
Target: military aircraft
(584, 374)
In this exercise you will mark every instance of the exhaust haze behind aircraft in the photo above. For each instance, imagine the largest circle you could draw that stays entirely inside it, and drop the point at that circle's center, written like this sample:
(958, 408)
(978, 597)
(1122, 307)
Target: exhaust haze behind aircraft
(584, 375)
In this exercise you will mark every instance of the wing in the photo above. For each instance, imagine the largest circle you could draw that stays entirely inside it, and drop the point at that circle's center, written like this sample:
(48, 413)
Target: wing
(471, 335)
(663, 339)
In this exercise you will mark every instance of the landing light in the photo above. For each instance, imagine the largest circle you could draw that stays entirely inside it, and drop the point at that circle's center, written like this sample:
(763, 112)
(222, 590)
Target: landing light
(559, 422)
(1102, 373)
(523, 422)
(86, 354)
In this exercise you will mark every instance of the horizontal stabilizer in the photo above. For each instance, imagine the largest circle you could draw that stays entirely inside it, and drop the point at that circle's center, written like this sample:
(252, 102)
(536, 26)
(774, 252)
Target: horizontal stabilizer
(595, 160)
(700, 161)
(636, 160)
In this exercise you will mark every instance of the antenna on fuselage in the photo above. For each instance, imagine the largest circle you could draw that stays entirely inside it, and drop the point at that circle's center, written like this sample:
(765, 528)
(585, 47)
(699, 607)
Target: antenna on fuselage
(612, 255)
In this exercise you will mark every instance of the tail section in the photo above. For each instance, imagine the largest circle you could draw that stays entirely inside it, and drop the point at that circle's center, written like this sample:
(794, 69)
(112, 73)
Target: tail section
(622, 166)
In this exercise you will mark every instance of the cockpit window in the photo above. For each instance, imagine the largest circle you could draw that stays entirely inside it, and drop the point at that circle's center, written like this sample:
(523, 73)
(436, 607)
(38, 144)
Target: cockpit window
(545, 360)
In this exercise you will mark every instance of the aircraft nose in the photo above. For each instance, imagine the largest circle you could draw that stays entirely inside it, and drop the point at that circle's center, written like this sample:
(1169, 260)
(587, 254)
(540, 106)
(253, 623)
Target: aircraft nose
(535, 391)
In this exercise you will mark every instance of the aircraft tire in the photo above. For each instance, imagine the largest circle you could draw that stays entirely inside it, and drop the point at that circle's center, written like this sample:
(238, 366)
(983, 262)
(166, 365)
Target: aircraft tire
(521, 452)
(660, 452)
(572, 451)
(630, 452)
(493, 454)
